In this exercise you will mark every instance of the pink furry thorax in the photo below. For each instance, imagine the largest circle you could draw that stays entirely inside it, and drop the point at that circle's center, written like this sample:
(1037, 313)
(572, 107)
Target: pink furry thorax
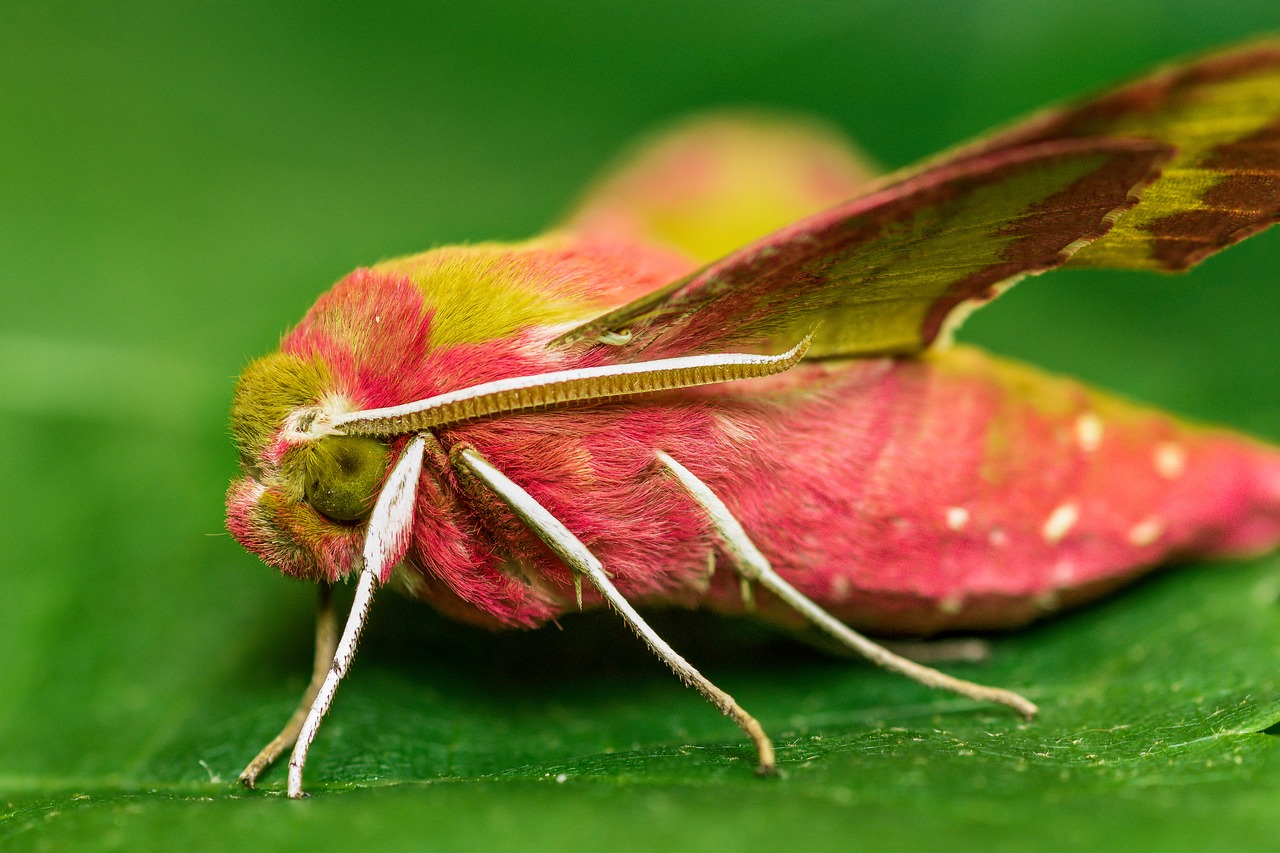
(385, 336)
(378, 331)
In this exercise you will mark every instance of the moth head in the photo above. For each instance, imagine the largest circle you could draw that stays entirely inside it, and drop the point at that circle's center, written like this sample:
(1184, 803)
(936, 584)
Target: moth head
(305, 492)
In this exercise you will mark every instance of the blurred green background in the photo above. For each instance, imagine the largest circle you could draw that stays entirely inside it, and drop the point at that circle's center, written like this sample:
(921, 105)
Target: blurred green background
(178, 181)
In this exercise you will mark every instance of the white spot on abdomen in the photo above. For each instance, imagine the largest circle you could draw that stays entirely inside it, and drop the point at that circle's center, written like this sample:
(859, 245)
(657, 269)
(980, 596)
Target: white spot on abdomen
(951, 605)
(840, 588)
(1170, 460)
(1060, 522)
(1146, 532)
(1089, 432)
(957, 517)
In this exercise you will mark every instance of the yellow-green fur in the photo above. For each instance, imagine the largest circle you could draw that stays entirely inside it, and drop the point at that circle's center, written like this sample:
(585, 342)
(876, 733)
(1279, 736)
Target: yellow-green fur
(269, 390)
(489, 291)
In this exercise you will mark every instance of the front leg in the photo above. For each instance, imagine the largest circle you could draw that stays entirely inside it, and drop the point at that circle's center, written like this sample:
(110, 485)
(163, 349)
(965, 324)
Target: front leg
(582, 562)
(326, 646)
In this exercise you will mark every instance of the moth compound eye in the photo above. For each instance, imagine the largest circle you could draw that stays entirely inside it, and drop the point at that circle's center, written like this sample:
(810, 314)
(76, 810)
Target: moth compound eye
(343, 473)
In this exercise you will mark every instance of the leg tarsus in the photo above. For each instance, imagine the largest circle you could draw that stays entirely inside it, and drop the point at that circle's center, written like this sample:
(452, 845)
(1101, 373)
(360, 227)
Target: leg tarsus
(326, 645)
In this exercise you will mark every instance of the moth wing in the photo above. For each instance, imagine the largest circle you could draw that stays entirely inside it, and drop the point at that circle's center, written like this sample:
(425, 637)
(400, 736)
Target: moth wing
(1222, 115)
(709, 185)
(889, 272)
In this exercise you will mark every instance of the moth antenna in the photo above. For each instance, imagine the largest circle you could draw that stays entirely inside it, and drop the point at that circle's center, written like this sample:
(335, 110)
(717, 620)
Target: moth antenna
(580, 559)
(385, 544)
(542, 390)
(751, 564)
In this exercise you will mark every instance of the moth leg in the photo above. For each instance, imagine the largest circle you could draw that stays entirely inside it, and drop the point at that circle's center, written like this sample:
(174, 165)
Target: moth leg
(578, 558)
(751, 563)
(326, 647)
(341, 662)
(385, 544)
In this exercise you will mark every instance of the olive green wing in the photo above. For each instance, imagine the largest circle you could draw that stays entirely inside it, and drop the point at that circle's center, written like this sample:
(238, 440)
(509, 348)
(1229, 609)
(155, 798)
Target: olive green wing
(891, 271)
(1221, 114)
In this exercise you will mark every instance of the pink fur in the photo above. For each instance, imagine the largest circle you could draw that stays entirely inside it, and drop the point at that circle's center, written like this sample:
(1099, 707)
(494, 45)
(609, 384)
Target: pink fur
(908, 496)
(845, 485)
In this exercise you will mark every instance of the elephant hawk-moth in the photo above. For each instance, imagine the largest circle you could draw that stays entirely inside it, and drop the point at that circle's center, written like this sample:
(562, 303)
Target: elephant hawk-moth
(736, 355)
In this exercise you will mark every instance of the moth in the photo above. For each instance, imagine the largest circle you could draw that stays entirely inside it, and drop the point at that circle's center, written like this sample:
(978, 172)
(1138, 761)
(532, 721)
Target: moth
(727, 381)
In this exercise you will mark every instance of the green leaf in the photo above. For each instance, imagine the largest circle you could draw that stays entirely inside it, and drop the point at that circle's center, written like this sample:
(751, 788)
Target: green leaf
(190, 179)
